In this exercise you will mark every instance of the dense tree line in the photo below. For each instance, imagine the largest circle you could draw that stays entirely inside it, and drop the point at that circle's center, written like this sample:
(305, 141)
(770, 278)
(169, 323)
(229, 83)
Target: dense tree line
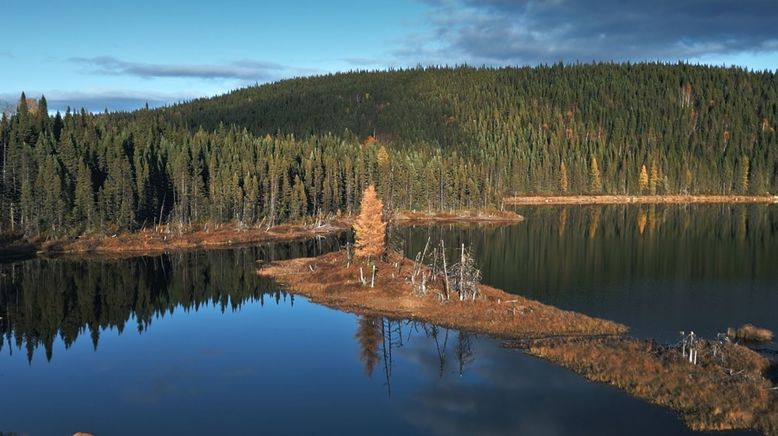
(693, 128)
(434, 138)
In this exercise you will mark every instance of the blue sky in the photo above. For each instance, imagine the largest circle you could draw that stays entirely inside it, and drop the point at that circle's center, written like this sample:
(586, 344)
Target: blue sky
(120, 55)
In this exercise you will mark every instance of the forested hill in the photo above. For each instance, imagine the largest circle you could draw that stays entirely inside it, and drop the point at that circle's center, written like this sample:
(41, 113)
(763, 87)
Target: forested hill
(697, 128)
(438, 138)
(662, 105)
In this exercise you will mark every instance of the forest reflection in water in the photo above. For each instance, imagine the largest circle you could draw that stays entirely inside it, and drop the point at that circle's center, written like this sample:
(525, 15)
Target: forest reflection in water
(197, 343)
(43, 299)
(656, 268)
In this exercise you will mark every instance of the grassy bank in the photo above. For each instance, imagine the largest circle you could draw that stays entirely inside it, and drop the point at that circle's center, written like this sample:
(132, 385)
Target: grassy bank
(328, 280)
(168, 238)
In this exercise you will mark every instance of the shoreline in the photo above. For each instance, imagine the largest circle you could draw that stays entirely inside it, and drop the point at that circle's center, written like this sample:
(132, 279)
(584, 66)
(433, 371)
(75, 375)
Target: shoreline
(725, 392)
(151, 242)
(541, 200)
(327, 280)
(223, 236)
(466, 217)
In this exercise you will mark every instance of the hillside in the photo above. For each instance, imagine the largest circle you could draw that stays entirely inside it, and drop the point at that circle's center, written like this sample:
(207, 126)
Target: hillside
(431, 139)
(702, 129)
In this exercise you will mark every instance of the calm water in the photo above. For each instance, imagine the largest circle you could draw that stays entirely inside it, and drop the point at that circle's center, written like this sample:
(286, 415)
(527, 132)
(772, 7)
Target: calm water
(197, 344)
(658, 269)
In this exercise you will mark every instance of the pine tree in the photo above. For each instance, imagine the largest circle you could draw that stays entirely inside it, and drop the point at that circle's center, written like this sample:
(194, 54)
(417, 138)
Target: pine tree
(84, 203)
(369, 228)
(384, 174)
(299, 202)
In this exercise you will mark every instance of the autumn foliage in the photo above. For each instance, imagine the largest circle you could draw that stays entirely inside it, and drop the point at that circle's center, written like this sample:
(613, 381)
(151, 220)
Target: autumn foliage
(369, 227)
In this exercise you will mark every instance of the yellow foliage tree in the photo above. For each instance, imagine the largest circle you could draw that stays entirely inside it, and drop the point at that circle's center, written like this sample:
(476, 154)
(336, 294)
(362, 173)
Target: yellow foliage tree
(369, 228)
(653, 181)
(595, 175)
(745, 166)
(563, 182)
(643, 180)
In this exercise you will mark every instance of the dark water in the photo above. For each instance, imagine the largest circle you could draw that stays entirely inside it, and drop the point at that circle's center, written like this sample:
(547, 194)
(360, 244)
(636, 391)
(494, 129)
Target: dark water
(658, 269)
(195, 343)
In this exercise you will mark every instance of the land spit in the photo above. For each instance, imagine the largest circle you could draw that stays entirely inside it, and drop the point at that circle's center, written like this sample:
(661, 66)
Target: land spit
(489, 217)
(170, 238)
(155, 242)
(726, 389)
(638, 199)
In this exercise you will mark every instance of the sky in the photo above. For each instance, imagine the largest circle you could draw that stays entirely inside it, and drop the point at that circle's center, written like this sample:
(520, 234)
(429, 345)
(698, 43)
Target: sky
(120, 55)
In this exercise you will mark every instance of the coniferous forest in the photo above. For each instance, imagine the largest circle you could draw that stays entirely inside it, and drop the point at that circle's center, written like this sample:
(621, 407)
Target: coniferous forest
(429, 138)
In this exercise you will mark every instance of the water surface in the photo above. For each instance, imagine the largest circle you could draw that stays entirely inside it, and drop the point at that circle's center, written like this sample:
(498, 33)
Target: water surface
(658, 269)
(196, 343)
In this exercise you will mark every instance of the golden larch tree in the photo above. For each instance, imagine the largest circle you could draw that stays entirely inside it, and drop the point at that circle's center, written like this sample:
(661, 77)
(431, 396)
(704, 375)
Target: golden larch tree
(369, 228)
(654, 180)
(595, 177)
(563, 182)
(643, 180)
(745, 166)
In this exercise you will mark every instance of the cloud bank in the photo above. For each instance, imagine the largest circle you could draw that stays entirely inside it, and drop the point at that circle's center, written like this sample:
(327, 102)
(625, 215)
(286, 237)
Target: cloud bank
(99, 100)
(497, 32)
(243, 70)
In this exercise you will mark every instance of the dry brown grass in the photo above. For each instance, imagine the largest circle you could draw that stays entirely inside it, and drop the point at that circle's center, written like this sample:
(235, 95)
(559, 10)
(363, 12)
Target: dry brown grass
(412, 217)
(149, 241)
(638, 199)
(716, 394)
(750, 333)
(327, 280)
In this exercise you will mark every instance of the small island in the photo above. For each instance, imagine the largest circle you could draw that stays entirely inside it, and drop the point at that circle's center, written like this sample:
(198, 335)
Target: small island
(713, 384)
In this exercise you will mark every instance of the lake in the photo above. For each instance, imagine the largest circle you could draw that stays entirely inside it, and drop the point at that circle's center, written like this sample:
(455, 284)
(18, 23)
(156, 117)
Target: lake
(196, 343)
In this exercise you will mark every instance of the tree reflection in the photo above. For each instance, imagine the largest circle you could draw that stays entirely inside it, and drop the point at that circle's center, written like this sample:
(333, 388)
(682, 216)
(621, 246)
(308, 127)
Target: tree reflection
(369, 337)
(380, 338)
(41, 300)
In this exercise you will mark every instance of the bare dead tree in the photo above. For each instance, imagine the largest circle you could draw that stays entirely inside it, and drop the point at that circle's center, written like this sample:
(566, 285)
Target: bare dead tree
(465, 276)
